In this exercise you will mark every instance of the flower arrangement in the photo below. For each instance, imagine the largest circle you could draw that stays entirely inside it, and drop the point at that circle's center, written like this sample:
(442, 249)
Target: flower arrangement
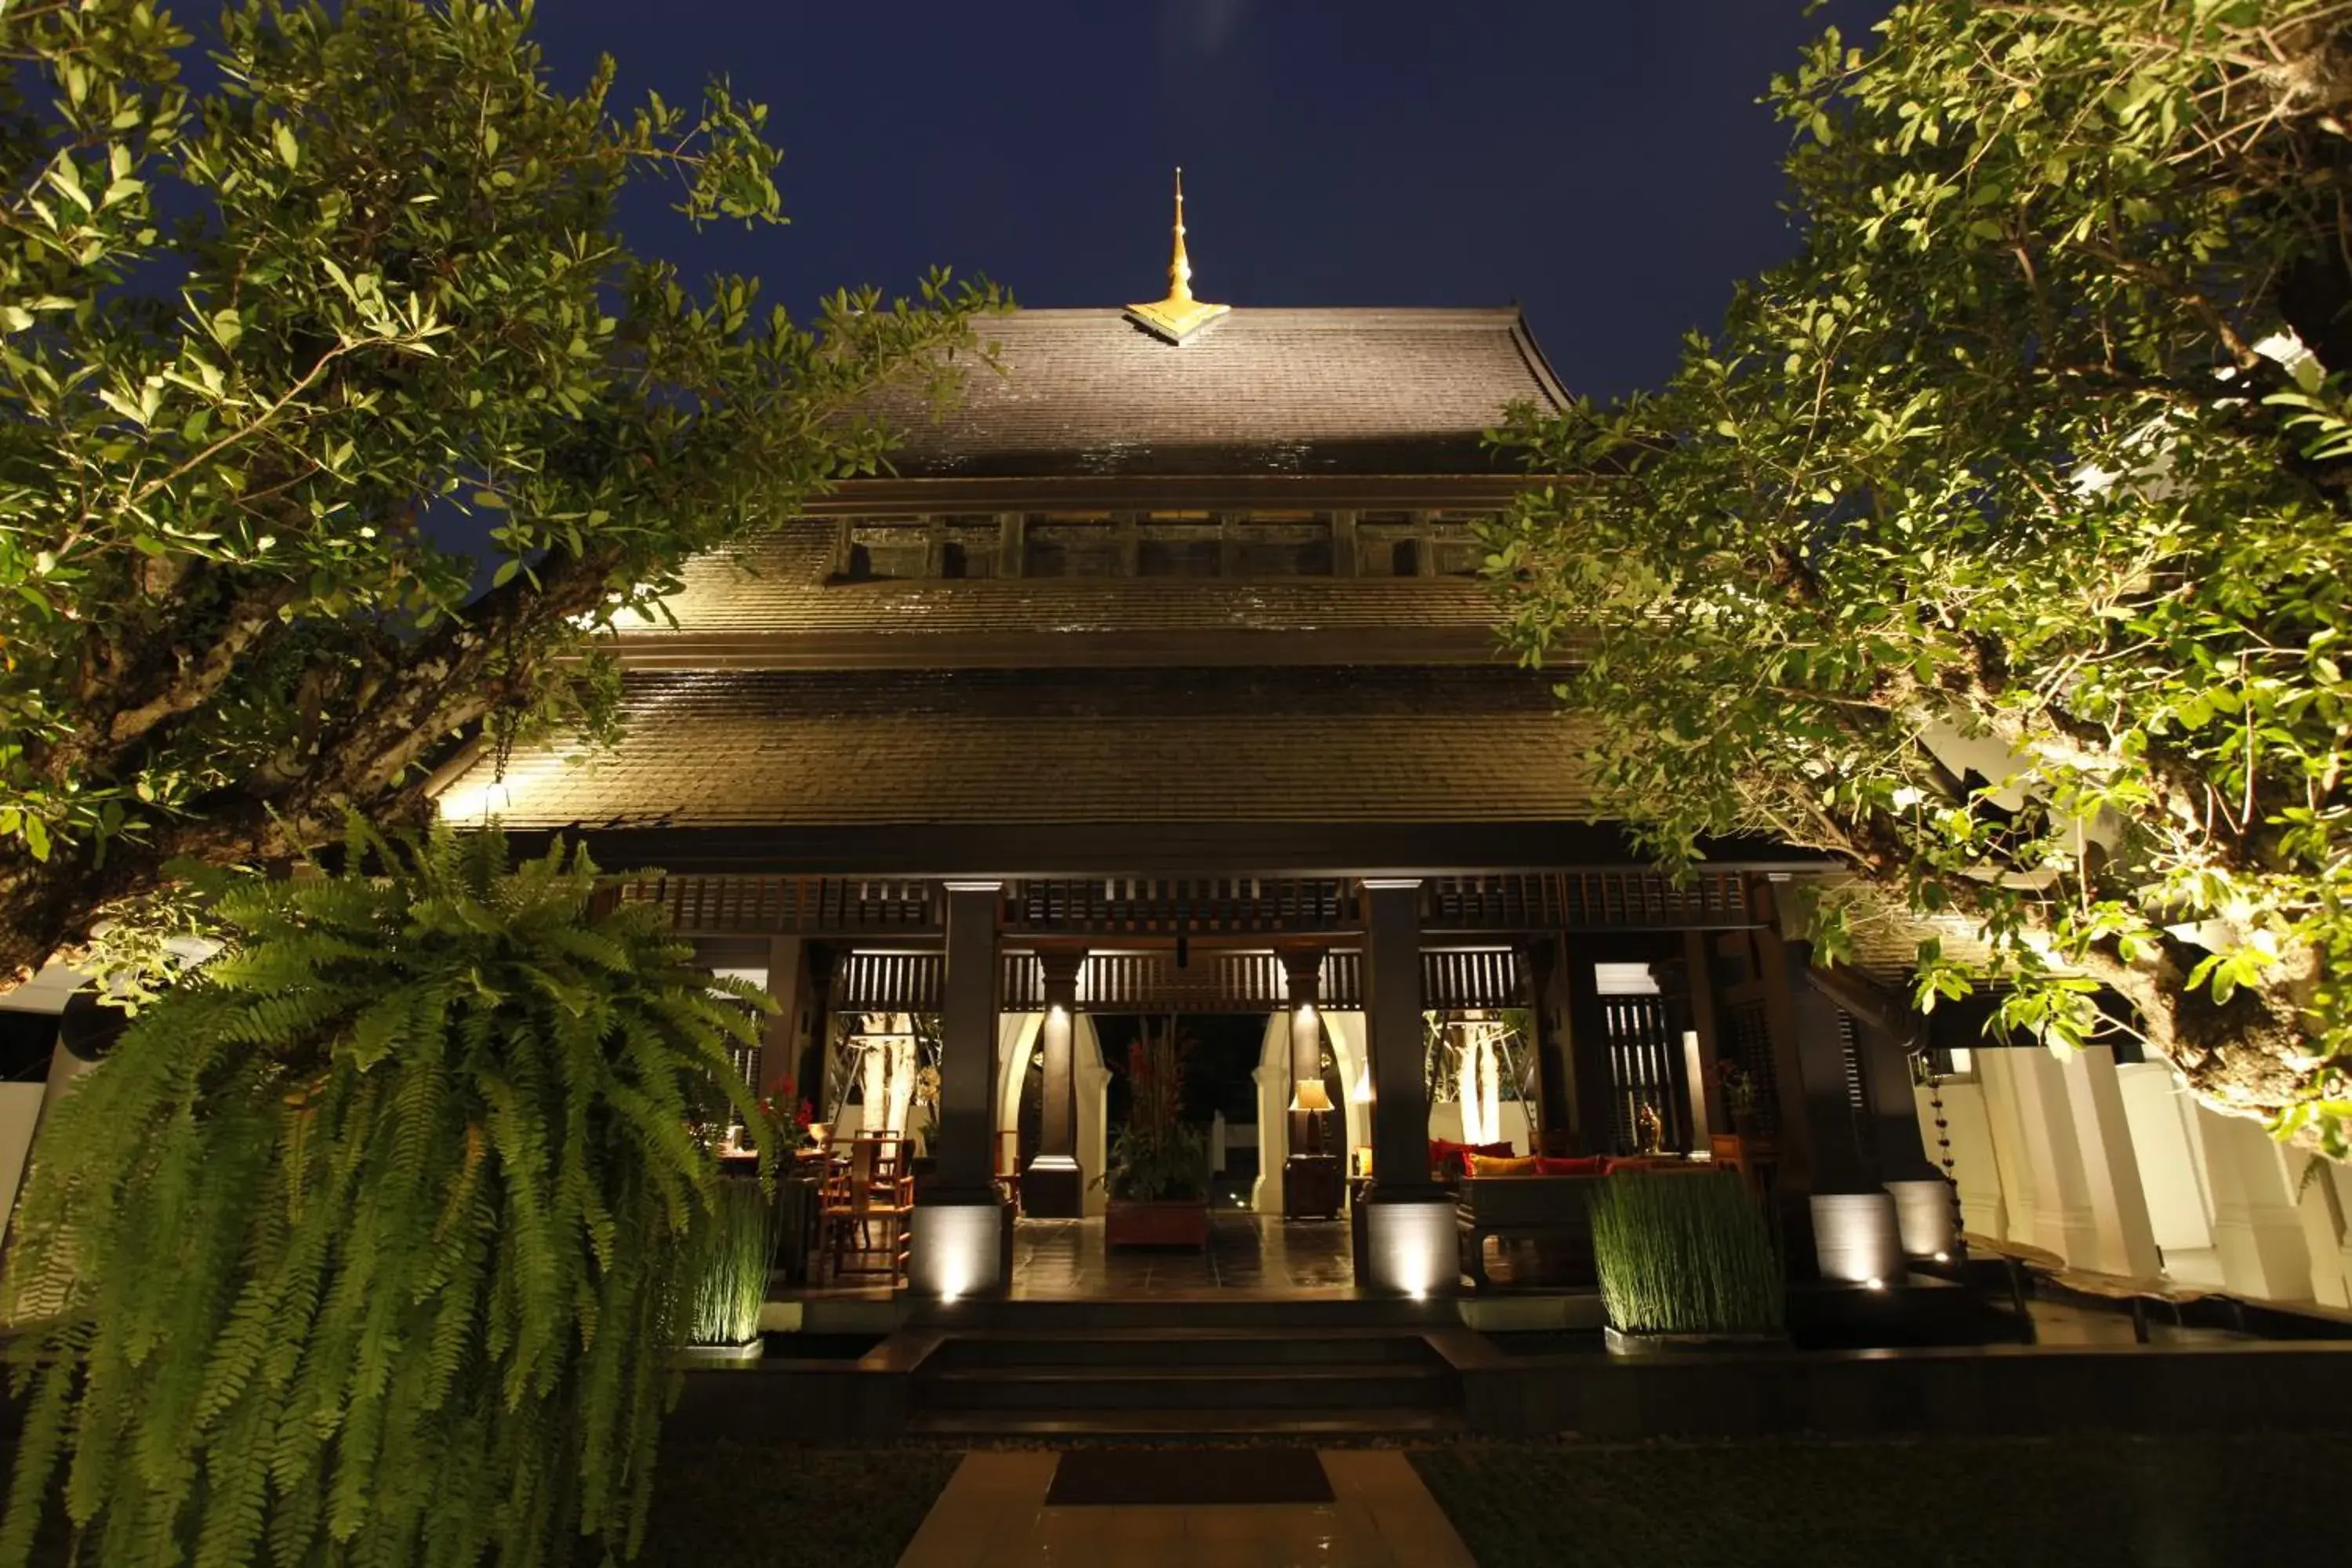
(786, 1115)
(1738, 1088)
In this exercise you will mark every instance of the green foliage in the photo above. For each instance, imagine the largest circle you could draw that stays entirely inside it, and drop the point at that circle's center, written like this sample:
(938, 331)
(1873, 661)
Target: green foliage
(1157, 1155)
(1998, 544)
(734, 1248)
(264, 341)
(372, 1233)
(1685, 1253)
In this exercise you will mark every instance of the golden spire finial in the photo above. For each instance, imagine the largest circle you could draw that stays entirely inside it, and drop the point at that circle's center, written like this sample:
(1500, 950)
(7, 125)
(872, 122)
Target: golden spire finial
(1179, 315)
(1179, 268)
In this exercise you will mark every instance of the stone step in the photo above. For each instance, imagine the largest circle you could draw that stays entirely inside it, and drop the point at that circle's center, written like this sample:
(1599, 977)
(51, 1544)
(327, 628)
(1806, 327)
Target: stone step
(1221, 1347)
(1215, 1388)
(1294, 1314)
(1305, 1425)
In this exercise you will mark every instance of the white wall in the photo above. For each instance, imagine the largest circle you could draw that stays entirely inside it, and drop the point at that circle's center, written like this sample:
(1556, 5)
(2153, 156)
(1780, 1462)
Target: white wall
(20, 1108)
(1983, 1209)
(1510, 1116)
(1272, 1076)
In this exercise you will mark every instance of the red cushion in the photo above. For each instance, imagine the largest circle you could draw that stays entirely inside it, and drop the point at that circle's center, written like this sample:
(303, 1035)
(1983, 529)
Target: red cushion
(1445, 1158)
(1582, 1165)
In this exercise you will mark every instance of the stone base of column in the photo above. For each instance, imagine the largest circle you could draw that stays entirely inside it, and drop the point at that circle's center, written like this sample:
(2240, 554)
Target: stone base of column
(956, 1248)
(1411, 1244)
(1053, 1187)
(1855, 1238)
(1923, 1217)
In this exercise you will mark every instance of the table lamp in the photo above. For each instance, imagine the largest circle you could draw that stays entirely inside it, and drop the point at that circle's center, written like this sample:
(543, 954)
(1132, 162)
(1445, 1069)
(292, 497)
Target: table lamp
(1312, 1097)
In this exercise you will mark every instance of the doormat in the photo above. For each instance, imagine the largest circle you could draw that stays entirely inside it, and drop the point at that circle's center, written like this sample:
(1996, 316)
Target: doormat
(1187, 1477)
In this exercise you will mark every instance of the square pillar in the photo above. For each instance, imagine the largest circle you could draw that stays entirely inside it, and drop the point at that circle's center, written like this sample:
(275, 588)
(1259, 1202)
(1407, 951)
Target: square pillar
(2257, 1234)
(2125, 1239)
(1410, 1245)
(956, 1247)
(2064, 1223)
(1051, 1187)
(1543, 989)
(1302, 969)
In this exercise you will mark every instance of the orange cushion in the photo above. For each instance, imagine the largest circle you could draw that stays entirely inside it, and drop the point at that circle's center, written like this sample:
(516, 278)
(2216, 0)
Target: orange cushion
(1500, 1164)
(1584, 1165)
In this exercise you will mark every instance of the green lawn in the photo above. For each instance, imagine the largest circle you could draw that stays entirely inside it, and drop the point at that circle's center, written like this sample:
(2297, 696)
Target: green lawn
(718, 1505)
(2076, 1502)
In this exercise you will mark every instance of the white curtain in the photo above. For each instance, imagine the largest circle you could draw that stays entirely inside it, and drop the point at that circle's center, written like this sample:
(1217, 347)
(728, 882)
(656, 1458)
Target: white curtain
(1482, 1110)
(888, 1073)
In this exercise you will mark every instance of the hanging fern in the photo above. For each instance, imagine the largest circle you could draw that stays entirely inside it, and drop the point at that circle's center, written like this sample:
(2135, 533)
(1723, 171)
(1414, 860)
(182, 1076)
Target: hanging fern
(372, 1237)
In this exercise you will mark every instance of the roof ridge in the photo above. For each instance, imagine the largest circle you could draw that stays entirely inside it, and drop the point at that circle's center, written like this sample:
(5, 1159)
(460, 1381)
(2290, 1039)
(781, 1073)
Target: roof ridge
(1484, 315)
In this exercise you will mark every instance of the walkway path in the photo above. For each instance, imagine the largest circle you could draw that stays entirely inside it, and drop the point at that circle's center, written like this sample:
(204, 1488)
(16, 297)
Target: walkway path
(995, 1513)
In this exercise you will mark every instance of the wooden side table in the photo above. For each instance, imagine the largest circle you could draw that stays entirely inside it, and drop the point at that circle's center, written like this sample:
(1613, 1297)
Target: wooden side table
(1312, 1187)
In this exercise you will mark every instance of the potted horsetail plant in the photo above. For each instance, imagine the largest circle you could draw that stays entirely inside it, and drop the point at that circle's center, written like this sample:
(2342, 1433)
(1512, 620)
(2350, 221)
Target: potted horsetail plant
(1685, 1262)
(732, 1248)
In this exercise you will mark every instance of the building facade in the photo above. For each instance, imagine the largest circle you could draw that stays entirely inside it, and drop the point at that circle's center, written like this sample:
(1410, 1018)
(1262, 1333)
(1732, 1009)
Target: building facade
(1160, 677)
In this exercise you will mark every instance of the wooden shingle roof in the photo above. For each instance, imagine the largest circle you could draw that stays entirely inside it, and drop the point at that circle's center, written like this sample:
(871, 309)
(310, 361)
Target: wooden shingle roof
(732, 749)
(1255, 393)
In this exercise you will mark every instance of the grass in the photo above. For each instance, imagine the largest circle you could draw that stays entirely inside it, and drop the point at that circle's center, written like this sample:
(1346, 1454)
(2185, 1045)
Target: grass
(1685, 1254)
(760, 1507)
(2089, 1501)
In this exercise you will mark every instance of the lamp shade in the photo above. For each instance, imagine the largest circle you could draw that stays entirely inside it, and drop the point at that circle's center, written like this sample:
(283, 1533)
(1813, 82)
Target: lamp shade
(1310, 1096)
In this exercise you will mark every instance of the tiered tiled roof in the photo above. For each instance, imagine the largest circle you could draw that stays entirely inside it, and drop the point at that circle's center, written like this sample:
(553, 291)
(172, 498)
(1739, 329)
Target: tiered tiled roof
(787, 699)
(760, 747)
(1089, 393)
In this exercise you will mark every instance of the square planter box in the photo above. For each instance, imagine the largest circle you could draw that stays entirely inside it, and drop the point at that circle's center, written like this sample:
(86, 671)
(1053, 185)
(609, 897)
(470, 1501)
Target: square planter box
(1175, 1222)
(1622, 1343)
(744, 1354)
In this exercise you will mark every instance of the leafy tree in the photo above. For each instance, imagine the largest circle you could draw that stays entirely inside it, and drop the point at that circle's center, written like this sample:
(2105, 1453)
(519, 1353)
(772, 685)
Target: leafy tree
(1998, 544)
(262, 340)
(373, 1230)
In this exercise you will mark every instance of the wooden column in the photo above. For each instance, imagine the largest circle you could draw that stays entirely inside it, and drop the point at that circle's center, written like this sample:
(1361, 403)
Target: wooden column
(784, 1037)
(1698, 980)
(1303, 971)
(1392, 1030)
(961, 1243)
(1051, 1187)
(968, 1043)
(1312, 1184)
(1542, 986)
(1407, 1244)
(1588, 1058)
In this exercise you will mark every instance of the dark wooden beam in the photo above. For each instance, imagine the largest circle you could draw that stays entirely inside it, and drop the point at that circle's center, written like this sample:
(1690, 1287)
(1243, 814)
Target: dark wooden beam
(1204, 648)
(1028, 850)
(1191, 492)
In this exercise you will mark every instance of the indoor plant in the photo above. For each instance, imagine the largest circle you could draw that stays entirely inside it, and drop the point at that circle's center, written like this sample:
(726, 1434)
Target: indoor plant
(1157, 1174)
(1685, 1262)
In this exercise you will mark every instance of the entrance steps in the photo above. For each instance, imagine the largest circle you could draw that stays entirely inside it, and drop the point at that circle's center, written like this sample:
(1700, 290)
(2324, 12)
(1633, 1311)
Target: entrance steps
(1185, 1378)
(1291, 1315)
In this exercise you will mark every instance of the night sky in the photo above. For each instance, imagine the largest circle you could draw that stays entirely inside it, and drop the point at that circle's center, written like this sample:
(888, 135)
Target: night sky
(1605, 165)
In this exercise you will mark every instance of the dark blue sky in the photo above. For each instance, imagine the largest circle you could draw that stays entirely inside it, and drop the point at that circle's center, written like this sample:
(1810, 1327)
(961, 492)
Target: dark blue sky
(1605, 165)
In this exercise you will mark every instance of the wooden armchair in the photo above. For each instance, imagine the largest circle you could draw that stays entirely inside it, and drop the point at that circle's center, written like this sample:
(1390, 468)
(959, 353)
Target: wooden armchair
(871, 1192)
(1008, 1165)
